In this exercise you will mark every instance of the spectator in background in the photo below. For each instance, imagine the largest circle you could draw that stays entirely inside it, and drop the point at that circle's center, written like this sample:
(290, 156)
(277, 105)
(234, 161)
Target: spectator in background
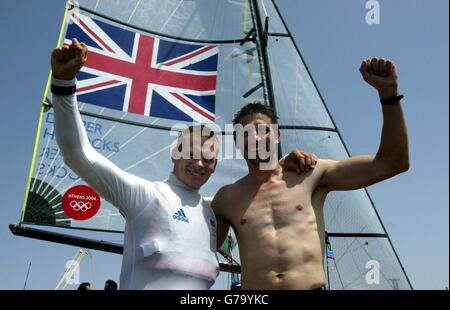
(110, 285)
(85, 286)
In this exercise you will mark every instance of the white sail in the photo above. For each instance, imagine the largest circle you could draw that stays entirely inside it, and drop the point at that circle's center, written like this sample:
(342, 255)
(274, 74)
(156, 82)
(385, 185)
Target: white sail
(255, 61)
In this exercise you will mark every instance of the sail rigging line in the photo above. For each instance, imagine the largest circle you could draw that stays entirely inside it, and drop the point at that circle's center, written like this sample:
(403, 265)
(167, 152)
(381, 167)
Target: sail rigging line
(269, 96)
(132, 13)
(347, 252)
(127, 142)
(339, 274)
(352, 255)
(250, 36)
(297, 75)
(385, 277)
(214, 19)
(148, 157)
(96, 5)
(26, 278)
(275, 71)
(140, 124)
(70, 270)
(252, 90)
(117, 21)
(112, 127)
(387, 255)
(356, 238)
(257, 27)
(264, 8)
(92, 268)
(335, 209)
(329, 248)
(170, 17)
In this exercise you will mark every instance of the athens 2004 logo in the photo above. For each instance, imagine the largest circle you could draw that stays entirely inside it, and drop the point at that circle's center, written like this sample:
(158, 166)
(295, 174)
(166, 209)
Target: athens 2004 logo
(81, 202)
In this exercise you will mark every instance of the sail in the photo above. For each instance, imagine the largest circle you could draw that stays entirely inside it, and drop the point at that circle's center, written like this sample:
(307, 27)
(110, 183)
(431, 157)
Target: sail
(238, 51)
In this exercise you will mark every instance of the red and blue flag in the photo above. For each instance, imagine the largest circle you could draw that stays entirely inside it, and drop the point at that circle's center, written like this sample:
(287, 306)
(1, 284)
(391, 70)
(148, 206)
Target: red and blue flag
(141, 74)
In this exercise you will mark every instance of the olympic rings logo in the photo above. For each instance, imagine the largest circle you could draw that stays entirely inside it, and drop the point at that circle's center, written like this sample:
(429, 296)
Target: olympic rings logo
(80, 205)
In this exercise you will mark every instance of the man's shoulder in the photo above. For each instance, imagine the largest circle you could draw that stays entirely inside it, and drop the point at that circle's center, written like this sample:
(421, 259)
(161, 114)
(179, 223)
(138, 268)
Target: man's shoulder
(223, 195)
(225, 190)
(231, 188)
(307, 178)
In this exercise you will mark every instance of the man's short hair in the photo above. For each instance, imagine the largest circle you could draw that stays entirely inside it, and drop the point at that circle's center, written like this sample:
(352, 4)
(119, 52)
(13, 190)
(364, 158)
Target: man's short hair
(255, 108)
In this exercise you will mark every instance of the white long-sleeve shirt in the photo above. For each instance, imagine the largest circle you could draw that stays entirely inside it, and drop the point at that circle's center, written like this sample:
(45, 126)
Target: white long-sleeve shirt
(170, 232)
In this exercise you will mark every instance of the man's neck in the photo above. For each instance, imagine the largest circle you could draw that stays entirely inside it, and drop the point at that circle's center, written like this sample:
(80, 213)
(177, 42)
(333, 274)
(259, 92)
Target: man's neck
(174, 179)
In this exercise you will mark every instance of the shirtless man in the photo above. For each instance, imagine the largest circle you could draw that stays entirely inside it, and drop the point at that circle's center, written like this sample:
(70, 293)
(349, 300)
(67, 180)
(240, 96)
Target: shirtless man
(278, 216)
(170, 235)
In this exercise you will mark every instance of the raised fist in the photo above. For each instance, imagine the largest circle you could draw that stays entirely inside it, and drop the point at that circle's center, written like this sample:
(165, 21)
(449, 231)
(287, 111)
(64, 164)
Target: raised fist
(381, 74)
(68, 60)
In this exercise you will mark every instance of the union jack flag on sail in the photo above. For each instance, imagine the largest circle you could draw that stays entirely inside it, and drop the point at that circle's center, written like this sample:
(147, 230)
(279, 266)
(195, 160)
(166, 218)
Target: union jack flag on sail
(141, 74)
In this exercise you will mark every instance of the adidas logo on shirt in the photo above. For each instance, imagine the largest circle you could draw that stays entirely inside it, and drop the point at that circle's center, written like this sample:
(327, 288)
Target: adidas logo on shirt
(181, 216)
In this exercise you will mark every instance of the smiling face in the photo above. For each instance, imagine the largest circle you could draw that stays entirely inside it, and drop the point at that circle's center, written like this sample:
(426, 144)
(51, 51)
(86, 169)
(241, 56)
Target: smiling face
(257, 135)
(198, 159)
(258, 140)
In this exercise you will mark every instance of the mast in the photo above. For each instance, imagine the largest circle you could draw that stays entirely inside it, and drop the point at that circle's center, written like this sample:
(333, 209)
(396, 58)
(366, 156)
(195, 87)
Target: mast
(262, 33)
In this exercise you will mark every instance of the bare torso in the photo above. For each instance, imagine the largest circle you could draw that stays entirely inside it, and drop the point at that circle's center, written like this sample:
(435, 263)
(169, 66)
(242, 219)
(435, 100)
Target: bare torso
(280, 229)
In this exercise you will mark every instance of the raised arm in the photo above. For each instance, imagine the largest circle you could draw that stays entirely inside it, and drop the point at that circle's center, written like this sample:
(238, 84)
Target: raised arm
(392, 157)
(122, 189)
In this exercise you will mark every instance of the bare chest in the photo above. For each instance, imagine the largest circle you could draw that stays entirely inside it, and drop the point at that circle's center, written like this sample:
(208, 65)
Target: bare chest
(272, 206)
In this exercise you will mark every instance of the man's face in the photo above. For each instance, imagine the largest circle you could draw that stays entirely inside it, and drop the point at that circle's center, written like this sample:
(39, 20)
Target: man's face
(198, 162)
(259, 138)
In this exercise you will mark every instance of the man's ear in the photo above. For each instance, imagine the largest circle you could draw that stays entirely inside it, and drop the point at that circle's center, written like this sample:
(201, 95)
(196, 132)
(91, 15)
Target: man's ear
(172, 155)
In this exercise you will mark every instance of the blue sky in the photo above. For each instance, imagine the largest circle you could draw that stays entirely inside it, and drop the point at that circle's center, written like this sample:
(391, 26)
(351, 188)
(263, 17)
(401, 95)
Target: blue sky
(333, 38)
